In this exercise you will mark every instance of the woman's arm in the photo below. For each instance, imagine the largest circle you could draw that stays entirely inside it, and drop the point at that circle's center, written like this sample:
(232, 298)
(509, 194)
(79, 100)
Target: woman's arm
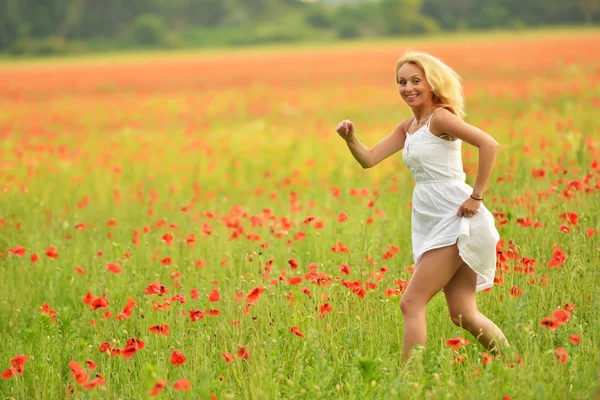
(387, 146)
(446, 122)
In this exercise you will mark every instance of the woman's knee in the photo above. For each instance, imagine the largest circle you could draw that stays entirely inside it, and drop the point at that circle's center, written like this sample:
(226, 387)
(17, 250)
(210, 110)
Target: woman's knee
(411, 305)
(462, 318)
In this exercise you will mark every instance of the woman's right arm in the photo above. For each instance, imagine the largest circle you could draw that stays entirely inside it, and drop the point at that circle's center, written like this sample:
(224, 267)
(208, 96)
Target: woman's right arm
(387, 146)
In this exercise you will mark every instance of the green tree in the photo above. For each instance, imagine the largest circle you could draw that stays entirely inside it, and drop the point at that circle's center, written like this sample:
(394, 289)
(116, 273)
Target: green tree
(149, 29)
(399, 16)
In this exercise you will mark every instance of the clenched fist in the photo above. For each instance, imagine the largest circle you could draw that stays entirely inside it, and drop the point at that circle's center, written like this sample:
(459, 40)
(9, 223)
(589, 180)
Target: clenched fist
(345, 129)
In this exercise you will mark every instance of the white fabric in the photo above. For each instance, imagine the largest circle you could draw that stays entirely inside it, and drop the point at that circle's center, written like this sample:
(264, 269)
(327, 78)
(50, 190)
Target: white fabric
(436, 166)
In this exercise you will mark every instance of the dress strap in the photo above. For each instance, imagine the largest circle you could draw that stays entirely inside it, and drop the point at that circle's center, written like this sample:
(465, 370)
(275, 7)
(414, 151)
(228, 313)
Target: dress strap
(411, 125)
(431, 116)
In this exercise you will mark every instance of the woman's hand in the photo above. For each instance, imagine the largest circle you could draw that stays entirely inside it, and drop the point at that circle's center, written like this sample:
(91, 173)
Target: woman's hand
(468, 208)
(345, 129)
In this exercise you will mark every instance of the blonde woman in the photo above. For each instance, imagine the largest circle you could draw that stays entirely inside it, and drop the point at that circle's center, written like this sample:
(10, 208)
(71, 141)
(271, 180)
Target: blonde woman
(453, 234)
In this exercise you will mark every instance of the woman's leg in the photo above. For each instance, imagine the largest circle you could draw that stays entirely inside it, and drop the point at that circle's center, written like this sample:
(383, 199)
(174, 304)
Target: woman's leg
(435, 269)
(460, 296)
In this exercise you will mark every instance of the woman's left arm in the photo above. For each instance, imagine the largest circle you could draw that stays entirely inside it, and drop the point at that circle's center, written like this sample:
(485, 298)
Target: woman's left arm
(446, 122)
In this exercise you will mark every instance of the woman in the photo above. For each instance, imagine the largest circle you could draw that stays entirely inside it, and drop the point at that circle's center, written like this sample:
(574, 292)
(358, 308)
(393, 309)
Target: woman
(453, 234)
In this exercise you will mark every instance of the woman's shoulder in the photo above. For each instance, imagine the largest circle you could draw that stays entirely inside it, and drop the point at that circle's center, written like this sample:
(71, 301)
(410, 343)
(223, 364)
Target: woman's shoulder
(443, 114)
(405, 124)
(443, 120)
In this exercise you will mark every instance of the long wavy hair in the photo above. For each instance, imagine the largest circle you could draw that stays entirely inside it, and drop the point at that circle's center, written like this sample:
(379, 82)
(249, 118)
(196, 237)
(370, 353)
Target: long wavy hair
(444, 81)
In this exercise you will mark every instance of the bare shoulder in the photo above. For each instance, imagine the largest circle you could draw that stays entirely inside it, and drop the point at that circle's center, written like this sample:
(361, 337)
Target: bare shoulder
(444, 116)
(404, 125)
(444, 122)
(448, 126)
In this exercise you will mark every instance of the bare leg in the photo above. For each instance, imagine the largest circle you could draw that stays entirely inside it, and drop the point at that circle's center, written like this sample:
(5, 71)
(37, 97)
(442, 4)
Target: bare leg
(434, 271)
(460, 296)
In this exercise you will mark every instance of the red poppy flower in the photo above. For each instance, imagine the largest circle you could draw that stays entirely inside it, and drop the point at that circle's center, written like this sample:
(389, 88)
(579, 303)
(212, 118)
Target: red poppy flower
(80, 270)
(94, 383)
(591, 232)
(182, 384)
(456, 343)
(137, 343)
(325, 308)
(166, 261)
(214, 296)
(104, 347)
(345, 269)
(569, 307)
(570, 217)
(212, 312)
(227, 356)
(160, 329)
(306, 291)
(35, 257)
(558, 258)
(296, 331)
(46, 309)
(129, 351)
(342, 217)
(561, 316)
(295, 280)
(18, 363)
(178, 358)
(340, 247)
(52, 253)
(88, 298)
(98, 302)
(458, 359)
(293, 263)
(194, 294)
(196, 315)
(549, 323)
(538, 173)
(242, 352)
(91, 365)
(515, 291)
(167, 238)
(564, 229)
(179, 297)
(78, 372)
(112, 267)
(574, 338)
(254, 295)
(156, 288)
(158, 387)
(486, 358)
(562, 355)
(8, 373)
(19, 251)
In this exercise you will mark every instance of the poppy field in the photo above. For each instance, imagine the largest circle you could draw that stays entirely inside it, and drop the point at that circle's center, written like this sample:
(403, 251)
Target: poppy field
(191, 225)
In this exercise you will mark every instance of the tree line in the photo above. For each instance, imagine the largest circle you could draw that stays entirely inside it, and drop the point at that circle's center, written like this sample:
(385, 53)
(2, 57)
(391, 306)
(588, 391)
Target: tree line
(55, 26)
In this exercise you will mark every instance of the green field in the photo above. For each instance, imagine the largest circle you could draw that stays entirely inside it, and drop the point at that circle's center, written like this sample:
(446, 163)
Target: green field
(213, 170)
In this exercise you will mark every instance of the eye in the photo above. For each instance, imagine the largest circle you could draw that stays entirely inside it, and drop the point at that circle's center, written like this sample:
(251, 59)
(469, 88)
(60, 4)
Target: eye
(402, 83)
(416, 81)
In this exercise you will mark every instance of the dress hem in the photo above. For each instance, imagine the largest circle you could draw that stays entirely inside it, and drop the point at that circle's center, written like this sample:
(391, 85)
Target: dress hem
(467, 258)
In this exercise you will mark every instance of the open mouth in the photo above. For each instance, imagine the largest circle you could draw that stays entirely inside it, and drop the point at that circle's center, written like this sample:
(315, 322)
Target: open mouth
(412, 96)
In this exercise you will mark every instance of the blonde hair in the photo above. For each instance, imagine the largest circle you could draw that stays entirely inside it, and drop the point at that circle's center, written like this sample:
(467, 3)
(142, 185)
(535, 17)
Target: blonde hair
(444, 82)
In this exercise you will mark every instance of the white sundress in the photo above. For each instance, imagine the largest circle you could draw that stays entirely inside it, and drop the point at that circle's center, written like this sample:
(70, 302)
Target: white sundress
(440, 189)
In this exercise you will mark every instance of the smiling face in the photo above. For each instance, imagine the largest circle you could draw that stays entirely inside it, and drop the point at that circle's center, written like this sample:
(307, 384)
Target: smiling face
(413, 86)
